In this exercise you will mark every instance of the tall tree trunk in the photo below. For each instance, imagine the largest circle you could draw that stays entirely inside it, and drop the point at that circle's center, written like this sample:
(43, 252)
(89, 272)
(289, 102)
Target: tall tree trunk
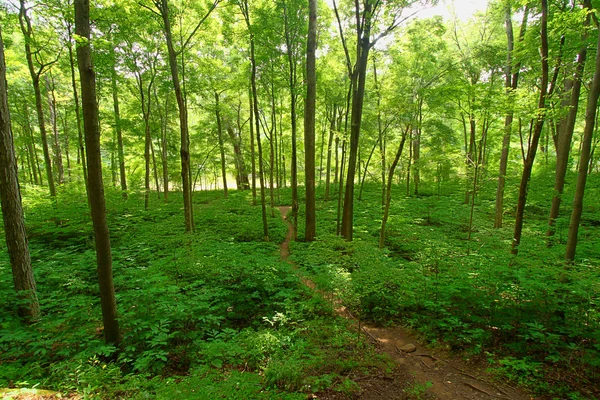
(292, 81)
(118, 130)
(309, 122)
(565, 135)
(12, 209)
(66, 135)
(584, 159)
(163, 143)
(252, 155)
(94, 162)
(221, 145)
(531, 151)
(27, 31)
(329, 149)
(364, 175)
(358, 96)
(236, 141)
(53, 121)
(246, 13)
(155, 170)
(184, 151)
(81, 150)
(31, 145)
(417, 147)
(511, 84)
(388, 192)
(340, 203)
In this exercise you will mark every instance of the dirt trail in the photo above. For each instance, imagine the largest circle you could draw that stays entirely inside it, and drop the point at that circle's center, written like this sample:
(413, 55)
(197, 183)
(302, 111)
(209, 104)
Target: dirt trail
(450, 378)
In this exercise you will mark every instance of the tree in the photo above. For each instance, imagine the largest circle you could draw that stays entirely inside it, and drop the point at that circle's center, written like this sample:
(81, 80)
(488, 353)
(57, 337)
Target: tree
(584, 158)
(95, 183)
(163, 8)
(511, 84)
(565, 133)
(309, 121)
(12, 210)
(368, 15)
(30, 53)
(537, 131)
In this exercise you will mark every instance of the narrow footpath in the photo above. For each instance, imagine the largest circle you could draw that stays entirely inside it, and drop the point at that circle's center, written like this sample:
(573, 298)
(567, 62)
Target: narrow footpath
(420, 373)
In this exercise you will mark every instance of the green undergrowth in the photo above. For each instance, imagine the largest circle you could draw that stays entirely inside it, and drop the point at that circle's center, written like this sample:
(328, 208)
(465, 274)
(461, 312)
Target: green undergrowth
(535, 320)
(204, 315)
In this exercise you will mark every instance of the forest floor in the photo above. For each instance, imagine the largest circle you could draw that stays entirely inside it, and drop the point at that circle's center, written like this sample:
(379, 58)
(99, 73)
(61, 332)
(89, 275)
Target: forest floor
(420, 371)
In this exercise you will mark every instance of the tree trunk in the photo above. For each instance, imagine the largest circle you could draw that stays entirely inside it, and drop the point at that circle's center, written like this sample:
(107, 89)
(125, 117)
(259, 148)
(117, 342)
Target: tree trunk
(536, 133)
(221, 145)
(364, 175)
(511, 83)
(565, 135)
(309, 122)
(94, 162)
(358, 96)
(293, 98)
(118, 130)
(584, 159)
(12, 209)
(329, 149)
(183, 119)
(246, 12)
(53, 121)
(163, 143)
(81, 150)
(35, 79)
(388, 192)
(340, 204)
(240, 165)
(252, 155)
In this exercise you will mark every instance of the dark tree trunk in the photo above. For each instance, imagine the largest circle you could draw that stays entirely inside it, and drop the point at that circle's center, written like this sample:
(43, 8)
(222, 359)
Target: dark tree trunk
(584, 159)
(35, 79)
(240, 165)
(358, 95)
(293, 98)
(531, 151)
(221, 144)
(329, 149)
(388, 192)
(246, 13)
(309, 122)
(94, 162)
(565, 135)
(81, 150)
(184, 151)
(12, 209)
(58, 162)
(163, 143)
(252, 155)
(511, 84)
(118, 130)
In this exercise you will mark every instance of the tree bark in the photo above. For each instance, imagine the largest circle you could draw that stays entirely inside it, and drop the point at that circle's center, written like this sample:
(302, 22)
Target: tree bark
(27, 31)
(565, 135)
(221, 144)
(81, 150)
(388, 192)
(584, 159)
(309, 122)
(184, 151)
(94, 162)
(536, 132)
(53, 121)
(12, 209)
(246, 13)
(329, 149)
(358, 95)
(292, 82)
(118, 130)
